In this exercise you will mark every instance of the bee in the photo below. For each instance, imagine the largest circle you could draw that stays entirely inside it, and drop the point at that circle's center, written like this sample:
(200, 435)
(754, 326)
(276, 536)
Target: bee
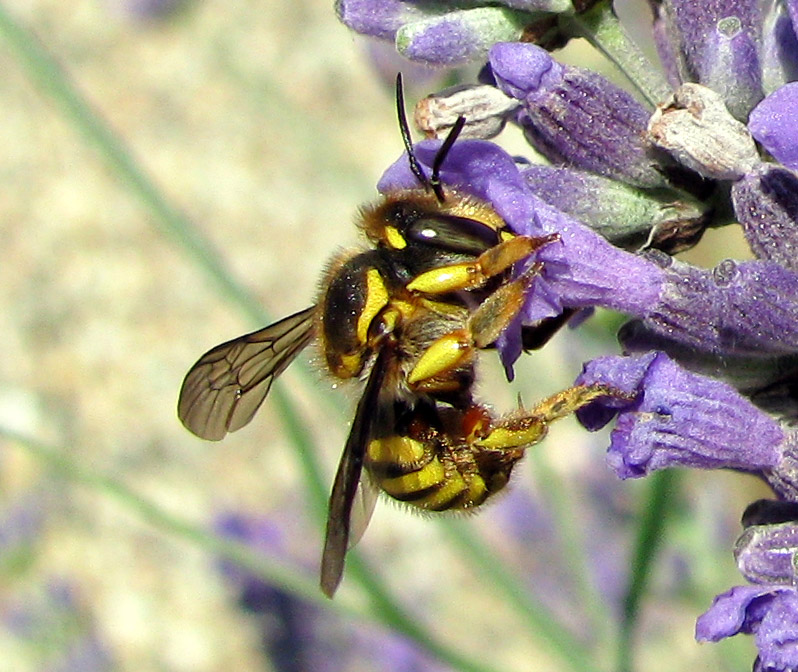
(408, 316)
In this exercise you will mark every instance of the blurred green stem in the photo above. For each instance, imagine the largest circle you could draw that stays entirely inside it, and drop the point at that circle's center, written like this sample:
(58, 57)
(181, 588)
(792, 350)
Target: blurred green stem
(566, 519)
(504, 585)
(662, 491)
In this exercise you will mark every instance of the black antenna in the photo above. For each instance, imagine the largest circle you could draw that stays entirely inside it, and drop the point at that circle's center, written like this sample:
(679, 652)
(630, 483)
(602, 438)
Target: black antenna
(440, 157)
(433, 182)
(415, 166)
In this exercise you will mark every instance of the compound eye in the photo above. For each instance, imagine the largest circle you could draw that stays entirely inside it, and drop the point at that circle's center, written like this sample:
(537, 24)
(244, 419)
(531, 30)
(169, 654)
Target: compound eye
(453, 234)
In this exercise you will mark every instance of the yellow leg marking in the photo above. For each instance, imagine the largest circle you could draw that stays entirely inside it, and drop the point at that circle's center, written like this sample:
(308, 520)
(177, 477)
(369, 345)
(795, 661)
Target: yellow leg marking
(526, 428)
(571, 400)
(445, 354)
(513, 433)
(473, 274)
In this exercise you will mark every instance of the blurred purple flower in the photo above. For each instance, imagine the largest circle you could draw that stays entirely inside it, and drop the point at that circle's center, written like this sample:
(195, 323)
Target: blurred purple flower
(56, 628)
(297, 635)
(147, 10)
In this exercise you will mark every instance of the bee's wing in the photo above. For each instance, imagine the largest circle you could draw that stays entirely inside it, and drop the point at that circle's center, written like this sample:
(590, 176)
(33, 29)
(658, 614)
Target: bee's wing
(347, 488)
(222, 391)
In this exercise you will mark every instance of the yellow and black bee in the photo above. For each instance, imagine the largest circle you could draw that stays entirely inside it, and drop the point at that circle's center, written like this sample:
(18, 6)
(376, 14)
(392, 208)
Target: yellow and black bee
(408, 315)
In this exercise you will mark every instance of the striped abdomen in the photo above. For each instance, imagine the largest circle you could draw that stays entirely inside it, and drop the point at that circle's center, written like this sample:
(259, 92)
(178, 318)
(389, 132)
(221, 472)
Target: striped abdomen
(431, 474)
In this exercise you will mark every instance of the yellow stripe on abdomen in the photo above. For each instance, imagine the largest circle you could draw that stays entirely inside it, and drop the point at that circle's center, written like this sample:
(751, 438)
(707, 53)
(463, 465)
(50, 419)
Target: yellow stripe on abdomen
(411, 472)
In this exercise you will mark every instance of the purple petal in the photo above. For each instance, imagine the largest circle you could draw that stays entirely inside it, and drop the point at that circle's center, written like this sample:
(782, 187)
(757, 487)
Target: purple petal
(728, 614)
(769, 612)
(678, 419)
(774, 124)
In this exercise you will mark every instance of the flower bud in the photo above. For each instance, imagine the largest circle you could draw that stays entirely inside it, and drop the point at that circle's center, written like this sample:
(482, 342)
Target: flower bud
(697, 130)
(484, 108)
(767, 553)
(766, 204)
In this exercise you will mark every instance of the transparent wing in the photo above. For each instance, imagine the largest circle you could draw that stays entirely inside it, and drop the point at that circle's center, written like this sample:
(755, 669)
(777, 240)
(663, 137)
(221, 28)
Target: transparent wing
(362, 509)
(350, 502)
(227, 385)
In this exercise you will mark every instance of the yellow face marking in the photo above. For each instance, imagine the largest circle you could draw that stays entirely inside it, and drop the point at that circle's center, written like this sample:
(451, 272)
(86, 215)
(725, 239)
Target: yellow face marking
(443, 355)
(376, 300)
(394, 238)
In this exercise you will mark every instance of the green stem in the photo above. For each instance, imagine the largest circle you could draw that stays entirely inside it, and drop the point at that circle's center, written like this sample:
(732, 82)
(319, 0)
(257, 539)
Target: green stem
(385, 610)
(539, 619)
(600, 26)
(560, 505)
(58, 459)
(54, 82)
(662, 490)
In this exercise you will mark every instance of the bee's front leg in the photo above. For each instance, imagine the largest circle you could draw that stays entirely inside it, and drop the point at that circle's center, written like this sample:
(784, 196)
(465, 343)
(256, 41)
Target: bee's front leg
(474, 274)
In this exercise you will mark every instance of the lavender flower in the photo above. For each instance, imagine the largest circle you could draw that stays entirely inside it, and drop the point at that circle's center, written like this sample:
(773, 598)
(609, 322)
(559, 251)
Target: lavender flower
(711, 369)
(767, 554)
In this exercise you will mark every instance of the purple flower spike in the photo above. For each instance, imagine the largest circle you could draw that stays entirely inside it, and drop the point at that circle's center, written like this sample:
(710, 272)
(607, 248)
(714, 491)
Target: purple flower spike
(575, 116)
(774, 124)
(766, 205)
(768, 612)
(678, 419)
